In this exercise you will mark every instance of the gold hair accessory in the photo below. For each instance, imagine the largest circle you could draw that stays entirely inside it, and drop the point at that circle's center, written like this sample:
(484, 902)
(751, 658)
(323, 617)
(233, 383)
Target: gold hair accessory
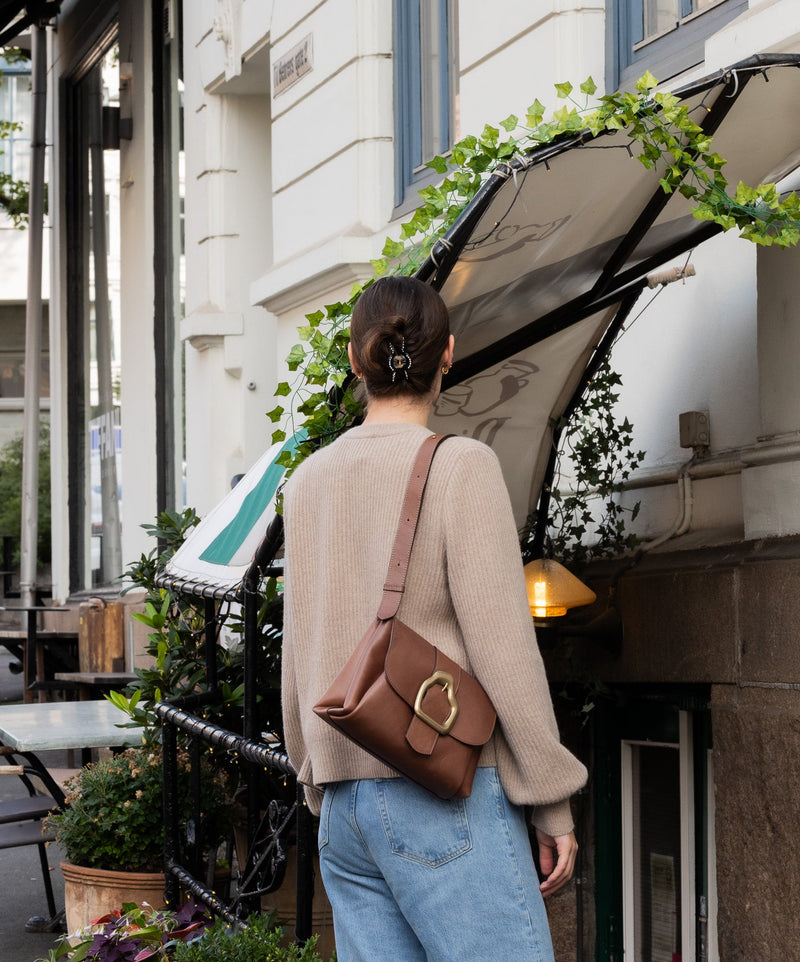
(399, 360)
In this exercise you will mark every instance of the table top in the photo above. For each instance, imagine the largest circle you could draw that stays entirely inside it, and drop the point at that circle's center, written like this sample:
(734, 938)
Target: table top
(42, 726)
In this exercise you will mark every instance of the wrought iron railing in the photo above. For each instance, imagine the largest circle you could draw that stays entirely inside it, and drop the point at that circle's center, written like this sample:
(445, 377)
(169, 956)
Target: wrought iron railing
(271, 828)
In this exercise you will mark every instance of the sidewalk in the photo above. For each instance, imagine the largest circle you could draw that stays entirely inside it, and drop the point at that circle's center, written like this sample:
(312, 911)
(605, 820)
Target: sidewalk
(21, 887)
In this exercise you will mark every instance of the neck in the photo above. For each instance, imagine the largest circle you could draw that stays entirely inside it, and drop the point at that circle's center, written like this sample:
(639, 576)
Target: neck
(396, 411)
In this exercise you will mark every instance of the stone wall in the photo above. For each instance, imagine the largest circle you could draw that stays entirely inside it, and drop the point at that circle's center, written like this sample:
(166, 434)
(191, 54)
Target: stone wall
(724, 616)
(757, 774)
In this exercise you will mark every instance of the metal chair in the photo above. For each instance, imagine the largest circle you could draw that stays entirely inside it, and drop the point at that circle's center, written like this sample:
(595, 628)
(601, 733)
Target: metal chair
(21, 824)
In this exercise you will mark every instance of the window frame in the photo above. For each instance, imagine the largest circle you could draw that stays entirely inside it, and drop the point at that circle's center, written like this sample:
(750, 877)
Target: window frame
(16, 73)
(672, 716)
(684, 747)
(410, 177)
(666, 54)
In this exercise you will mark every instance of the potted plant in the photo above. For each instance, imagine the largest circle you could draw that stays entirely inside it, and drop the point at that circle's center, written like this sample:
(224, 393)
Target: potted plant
(112, 829)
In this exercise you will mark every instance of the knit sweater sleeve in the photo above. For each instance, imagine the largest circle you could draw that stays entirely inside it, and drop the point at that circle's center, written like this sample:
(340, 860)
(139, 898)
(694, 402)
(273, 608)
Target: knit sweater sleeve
(487, 586)
(296, 747)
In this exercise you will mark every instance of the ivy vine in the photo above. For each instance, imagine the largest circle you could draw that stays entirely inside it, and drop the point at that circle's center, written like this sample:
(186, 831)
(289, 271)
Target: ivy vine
(670, 141)
(586, 519)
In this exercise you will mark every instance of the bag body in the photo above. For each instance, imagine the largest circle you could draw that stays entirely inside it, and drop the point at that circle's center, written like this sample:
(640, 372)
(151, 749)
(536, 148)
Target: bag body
(398, 696)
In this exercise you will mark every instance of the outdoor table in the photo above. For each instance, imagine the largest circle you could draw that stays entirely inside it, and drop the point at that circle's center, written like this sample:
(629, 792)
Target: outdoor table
(92, 682)
(48, 726)
(32, 635)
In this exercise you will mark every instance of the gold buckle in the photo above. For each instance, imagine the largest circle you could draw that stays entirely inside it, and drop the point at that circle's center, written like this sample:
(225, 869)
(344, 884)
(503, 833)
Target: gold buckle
(445, 679)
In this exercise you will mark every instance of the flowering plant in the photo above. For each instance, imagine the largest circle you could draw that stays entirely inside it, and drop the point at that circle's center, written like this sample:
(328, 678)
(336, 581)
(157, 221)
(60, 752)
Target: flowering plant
(114, 816)
(135, 934)
(188, 935)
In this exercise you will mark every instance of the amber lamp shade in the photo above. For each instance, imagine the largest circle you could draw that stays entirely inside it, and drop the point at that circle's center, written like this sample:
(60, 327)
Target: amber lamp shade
(552, 590)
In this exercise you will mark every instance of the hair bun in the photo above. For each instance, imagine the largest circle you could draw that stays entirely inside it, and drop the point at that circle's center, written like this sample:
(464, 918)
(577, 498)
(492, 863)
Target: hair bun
(397, 324)
(398, 333)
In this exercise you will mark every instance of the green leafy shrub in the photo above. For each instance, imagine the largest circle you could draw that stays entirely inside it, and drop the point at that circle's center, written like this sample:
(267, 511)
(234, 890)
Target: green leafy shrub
(260, 941)
(114, 819)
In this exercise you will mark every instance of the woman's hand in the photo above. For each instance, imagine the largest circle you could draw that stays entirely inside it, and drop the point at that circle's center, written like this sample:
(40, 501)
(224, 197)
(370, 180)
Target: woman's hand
(556, 860)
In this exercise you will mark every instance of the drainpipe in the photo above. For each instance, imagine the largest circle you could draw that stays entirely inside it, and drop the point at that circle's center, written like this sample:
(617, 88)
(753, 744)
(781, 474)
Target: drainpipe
(29, 533)
(685, 510)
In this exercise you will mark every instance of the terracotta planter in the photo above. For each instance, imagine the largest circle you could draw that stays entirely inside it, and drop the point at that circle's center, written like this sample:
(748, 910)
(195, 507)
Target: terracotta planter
(92, 892)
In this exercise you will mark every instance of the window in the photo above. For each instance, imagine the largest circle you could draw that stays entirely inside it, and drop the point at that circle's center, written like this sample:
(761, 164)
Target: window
(423, 78)
(656, 831)
(12, 355)
(15, 110)
(94, 333)
(662, 36)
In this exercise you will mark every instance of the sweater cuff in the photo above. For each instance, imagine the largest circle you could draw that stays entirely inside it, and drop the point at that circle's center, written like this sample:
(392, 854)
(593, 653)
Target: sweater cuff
(554, 819)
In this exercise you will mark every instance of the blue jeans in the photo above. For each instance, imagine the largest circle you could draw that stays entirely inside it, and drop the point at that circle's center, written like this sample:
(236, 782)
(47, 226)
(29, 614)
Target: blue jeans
(415, 879)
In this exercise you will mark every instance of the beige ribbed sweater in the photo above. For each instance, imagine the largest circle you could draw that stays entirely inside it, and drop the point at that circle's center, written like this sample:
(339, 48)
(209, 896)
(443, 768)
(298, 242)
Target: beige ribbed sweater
(465, 593)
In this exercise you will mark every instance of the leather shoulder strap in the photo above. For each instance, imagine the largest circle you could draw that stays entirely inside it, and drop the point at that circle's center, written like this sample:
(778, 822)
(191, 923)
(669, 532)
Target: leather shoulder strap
(407, 527)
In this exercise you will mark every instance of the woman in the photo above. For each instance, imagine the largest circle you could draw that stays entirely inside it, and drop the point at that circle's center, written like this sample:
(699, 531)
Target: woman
(410, 877)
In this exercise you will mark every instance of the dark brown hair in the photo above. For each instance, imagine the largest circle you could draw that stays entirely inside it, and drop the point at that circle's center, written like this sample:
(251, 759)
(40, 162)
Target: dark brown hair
(399, 332)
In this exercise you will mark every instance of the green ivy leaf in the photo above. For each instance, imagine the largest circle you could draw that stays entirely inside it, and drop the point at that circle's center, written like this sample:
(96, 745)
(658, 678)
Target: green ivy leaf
(392, 248)
(439, 164)
(535, 114)
(563, 90)
(589, 87)
(275, 414)
(646, 82)
(296, 357)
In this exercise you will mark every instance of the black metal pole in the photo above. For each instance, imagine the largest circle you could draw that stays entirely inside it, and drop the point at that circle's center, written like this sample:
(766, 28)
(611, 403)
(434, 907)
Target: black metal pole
(305, 870)
(251, 602)
(169, 746)
(195, 835)
(210, 609)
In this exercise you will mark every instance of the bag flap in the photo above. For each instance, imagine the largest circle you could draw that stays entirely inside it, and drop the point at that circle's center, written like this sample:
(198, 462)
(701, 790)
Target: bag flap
(411, 660)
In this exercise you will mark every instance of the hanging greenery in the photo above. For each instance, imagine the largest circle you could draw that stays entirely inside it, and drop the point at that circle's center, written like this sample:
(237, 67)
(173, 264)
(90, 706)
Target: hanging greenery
(586, 519)
(671, 142)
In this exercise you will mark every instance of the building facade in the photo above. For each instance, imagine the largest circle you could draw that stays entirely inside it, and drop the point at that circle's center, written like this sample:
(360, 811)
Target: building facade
(253, 156)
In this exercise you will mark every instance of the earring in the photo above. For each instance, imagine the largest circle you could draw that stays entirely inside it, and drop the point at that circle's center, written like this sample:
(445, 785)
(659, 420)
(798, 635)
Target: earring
(445, 369)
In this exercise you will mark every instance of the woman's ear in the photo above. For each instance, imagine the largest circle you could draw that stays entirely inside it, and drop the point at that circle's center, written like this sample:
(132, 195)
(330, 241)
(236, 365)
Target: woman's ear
(350, 357)
(447, 357)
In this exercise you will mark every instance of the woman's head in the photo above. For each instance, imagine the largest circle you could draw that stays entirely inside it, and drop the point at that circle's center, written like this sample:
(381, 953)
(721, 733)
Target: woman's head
(399, 333)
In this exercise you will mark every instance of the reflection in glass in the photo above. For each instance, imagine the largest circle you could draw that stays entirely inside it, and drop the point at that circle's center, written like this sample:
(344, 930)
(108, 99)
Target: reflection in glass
(657, 852)
(94, 413)
(104, 425)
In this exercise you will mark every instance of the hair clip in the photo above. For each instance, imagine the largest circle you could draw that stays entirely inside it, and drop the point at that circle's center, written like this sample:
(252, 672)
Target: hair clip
(399, 361)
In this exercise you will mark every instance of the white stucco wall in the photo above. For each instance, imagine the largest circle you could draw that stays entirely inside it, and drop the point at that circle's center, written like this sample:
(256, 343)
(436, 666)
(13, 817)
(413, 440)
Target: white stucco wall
(230, 370)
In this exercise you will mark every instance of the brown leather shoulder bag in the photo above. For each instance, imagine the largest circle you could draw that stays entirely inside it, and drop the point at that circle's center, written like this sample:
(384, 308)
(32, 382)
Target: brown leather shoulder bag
(398, 696)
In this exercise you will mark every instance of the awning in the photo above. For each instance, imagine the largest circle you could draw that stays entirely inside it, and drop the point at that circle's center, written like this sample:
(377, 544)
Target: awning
(549, 257)
(539, 266)
(219, 551)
